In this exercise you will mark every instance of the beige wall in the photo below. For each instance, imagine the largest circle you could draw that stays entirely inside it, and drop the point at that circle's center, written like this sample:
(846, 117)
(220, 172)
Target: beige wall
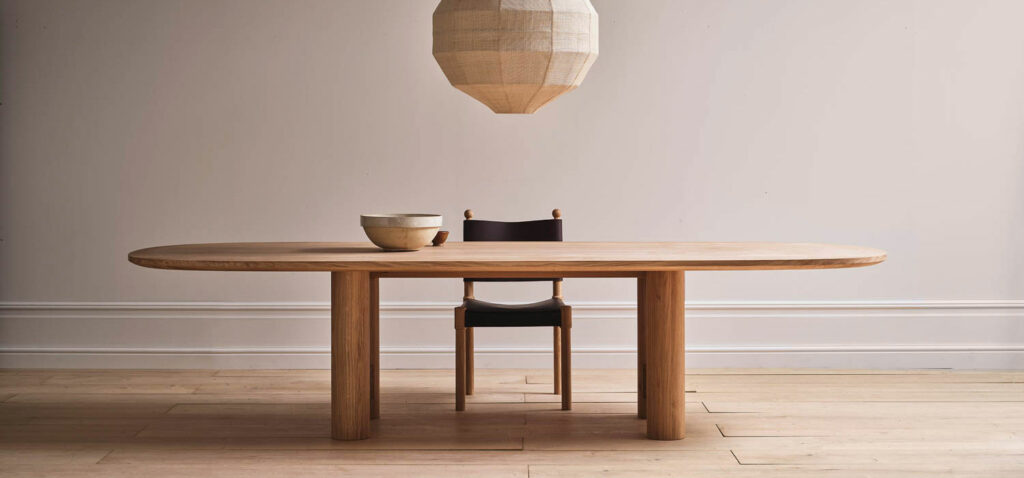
(894, 124)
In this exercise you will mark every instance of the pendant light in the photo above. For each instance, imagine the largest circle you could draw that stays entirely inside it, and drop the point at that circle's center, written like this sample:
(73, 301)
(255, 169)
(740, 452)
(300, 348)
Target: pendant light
(515, 55)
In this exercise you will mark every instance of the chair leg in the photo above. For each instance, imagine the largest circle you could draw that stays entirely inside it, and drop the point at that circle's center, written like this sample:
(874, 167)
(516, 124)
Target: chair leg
(460, 359)
(566, 358)
(469, 361)
(558, 361)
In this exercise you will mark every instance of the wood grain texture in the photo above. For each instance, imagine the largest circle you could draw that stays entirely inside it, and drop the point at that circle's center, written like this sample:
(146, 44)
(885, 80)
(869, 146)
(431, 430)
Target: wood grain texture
(665, 366)
(566, 367)
(350, 355)
(460, 359)
(279, 429)
(356, 268)
(462, 258)
(557, 362)
(470, 366)
(374, 346)
(641, 348)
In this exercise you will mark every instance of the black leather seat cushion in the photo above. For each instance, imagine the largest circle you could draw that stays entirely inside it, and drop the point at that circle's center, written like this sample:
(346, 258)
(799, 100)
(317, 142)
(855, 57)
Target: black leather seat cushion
(538, 314)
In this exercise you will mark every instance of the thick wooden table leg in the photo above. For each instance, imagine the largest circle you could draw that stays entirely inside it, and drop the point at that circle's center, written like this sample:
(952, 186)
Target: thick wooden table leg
(374, 346)
(350, 355)
(641, 350)
(666, 392)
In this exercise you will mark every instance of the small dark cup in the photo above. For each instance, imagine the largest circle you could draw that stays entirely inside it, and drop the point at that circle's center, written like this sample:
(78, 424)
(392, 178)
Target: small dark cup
(440, 238)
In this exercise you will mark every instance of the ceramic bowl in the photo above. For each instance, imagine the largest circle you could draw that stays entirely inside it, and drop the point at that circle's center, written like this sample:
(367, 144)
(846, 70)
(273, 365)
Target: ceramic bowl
(400, 232)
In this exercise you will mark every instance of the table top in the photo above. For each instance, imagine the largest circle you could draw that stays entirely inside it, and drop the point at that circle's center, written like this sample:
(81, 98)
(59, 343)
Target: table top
(532, 258)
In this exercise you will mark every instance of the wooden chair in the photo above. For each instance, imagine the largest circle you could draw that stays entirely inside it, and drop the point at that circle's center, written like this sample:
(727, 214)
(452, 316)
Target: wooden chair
(547, 313)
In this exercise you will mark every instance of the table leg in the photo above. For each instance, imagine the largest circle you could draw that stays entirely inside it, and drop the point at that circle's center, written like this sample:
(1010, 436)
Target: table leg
(664, 297)
(350, 355)
(374, 346)
(641, 349)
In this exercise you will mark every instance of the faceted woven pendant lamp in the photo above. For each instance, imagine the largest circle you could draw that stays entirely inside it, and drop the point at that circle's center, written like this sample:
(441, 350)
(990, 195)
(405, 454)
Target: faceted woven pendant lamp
(515, 55)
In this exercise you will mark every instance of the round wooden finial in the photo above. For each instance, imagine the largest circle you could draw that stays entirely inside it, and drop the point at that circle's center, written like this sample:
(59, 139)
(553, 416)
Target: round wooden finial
(468, 214)
(557, 213)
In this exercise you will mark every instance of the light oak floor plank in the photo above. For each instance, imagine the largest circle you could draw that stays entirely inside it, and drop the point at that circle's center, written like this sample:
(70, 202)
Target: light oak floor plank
(766, 471)
(740, 423)
(875, 378)
(855, 386)
(31, 411)
(854, 395)
(871, 409)
(47, 457)
(102, 388)
(265, 470)
(951, 457)
(415, 457)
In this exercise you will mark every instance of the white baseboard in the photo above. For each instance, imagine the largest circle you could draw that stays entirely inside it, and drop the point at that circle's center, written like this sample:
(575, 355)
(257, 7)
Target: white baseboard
(875, 334)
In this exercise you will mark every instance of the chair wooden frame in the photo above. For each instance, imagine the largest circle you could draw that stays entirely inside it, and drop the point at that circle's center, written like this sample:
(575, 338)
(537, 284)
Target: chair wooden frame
(561, 341)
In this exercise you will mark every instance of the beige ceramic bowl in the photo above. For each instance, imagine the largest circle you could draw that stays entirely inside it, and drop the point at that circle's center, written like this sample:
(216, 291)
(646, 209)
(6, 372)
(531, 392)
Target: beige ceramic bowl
(400, 232)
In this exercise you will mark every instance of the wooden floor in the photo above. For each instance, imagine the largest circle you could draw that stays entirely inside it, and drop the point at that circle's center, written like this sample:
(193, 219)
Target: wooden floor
(773, 423)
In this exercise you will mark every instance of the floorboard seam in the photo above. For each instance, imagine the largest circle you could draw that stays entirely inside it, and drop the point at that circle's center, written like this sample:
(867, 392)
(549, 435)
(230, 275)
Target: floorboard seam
(104, 457)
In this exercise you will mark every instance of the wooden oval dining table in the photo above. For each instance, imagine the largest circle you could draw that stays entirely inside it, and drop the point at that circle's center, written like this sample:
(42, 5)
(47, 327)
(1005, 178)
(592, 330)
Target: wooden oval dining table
(356, 269)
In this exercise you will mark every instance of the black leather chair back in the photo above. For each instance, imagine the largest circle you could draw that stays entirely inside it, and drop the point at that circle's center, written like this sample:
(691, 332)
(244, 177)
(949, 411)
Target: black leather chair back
(547, 230)
(542, 230)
